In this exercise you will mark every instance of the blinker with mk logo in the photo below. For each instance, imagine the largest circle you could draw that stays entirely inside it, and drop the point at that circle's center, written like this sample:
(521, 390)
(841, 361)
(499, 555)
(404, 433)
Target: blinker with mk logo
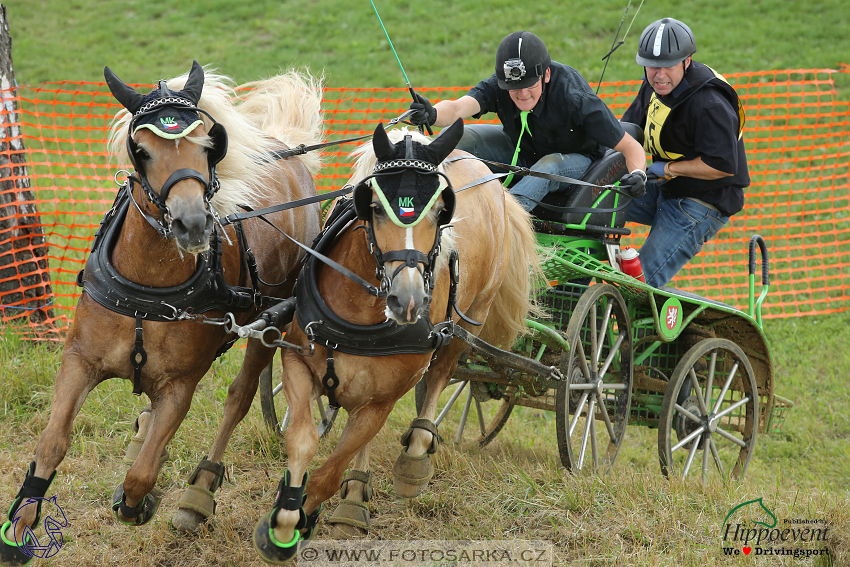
(406, 179)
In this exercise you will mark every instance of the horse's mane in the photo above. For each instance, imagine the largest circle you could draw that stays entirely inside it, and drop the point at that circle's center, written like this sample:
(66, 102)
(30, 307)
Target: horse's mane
(258, 116)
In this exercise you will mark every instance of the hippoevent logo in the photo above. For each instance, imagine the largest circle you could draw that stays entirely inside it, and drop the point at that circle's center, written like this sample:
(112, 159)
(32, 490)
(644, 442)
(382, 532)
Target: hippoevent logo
(750, 528)
(52, 525)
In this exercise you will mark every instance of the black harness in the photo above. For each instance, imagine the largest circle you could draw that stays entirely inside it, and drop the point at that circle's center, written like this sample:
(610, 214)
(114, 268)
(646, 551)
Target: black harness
(206, 290)
(322, 325)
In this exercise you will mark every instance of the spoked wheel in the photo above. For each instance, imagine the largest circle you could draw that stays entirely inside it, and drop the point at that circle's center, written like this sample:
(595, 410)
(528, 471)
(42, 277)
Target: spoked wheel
(493, 406)
(276, 412)
(709, 418)
(593, 401)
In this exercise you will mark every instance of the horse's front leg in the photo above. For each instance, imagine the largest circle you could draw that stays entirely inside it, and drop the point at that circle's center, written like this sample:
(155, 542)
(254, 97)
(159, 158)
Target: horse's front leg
(356, 490)
(276, 534)
(132, 502)
(413, 469)
(75, 379)
(197, 502)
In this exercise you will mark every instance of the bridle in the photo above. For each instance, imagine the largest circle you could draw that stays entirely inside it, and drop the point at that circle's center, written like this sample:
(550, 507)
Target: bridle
(410, 258)
(217, 133)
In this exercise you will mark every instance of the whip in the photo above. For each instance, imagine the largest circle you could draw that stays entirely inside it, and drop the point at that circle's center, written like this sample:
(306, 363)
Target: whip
(409, 87)
(615, 44)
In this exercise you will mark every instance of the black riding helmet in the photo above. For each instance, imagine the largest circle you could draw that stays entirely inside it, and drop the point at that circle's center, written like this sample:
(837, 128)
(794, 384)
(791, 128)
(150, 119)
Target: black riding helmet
(521, 59)
(665, 43)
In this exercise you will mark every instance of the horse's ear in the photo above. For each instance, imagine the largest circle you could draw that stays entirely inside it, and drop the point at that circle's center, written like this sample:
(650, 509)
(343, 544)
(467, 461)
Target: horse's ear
(384, 148)
(195, 83)
(125, 94)
(443, 144)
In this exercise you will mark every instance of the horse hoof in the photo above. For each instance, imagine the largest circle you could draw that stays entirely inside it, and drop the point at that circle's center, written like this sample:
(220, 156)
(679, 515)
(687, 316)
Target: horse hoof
(268, 548)
(188, 521)
(350, 520)
(144, 512)
(412, 474)
(195, 506)
(344, 531)
(10, 552)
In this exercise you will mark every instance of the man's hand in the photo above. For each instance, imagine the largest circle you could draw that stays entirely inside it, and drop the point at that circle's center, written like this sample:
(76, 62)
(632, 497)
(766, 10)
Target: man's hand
(424, 113)
(634, 183)
(659, 171)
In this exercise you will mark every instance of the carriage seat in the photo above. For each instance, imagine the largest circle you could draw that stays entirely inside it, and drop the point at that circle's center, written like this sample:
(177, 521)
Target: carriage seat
(604, 171)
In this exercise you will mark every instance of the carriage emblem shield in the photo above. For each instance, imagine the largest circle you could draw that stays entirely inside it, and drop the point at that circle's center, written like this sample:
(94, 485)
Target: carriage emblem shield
(671, 318)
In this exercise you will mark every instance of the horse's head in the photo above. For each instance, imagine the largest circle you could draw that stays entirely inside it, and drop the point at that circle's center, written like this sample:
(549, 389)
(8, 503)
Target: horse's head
(406, 202)
(179, 180)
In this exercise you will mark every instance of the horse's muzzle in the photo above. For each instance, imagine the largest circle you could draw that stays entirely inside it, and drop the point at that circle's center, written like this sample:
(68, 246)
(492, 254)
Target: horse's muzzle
(406, 305)
(192, 231)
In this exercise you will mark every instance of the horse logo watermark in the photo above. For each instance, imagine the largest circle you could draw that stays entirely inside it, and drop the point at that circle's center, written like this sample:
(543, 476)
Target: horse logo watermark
(52, 526)
(769, 537)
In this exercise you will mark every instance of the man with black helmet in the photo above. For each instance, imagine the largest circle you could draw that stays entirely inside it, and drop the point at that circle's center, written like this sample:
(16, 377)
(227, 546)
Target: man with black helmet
(692, 120)
(552, 121)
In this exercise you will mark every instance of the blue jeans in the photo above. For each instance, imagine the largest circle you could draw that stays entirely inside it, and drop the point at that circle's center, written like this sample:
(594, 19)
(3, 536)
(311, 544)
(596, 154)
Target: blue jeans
(489, 141)
(679, 229)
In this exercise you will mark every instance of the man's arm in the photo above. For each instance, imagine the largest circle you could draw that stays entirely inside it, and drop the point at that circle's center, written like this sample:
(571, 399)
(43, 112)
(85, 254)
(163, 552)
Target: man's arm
(633, 152)
(695, 168)
(448, 111)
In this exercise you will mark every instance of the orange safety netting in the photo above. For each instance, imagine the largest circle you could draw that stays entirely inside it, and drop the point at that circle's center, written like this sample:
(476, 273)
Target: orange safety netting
(798, 146)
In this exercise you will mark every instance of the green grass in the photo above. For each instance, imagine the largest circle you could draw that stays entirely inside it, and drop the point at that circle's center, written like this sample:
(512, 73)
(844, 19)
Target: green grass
(514, 489)
(439, 42)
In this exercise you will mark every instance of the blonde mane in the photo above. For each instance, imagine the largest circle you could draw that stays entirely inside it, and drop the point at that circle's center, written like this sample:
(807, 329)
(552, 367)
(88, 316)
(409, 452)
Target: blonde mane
(258, 116)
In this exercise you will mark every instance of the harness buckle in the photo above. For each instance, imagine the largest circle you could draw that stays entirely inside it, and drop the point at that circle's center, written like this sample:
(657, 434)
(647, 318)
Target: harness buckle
(443, 333)
(175, 316)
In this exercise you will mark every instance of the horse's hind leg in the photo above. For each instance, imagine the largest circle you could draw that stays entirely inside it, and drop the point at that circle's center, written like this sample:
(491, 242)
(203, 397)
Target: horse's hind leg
(75, 379)
(351, 518)
(197, 503)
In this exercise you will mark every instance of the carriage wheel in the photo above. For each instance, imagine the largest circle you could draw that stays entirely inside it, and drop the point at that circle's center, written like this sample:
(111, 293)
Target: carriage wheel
(492, 414)
(276, 412)
(593, 401)
(709, 418)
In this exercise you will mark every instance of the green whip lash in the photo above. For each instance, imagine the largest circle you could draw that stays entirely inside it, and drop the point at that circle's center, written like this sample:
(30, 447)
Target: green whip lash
(409, 87)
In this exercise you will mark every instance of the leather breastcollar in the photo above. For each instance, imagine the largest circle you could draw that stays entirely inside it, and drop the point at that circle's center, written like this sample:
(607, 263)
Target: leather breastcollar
(205, 290)
(322, 325)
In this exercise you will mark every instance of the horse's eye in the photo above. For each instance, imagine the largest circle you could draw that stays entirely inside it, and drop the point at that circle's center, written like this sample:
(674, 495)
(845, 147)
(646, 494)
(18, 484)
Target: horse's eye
(141, 154)
(378, 210)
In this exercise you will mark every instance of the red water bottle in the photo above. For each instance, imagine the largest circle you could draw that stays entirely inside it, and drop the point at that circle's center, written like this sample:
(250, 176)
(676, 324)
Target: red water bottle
(630, 263)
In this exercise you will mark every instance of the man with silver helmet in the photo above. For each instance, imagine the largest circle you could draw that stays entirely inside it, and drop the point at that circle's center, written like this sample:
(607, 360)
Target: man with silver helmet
(693, 121)
(551, 121)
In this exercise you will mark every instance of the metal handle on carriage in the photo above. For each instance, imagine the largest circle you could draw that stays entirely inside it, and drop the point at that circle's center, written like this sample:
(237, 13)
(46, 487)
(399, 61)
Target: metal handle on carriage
(755, 306)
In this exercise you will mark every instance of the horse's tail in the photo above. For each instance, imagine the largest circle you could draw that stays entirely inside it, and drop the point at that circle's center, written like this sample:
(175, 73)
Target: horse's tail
(288, 107)
(515, 298)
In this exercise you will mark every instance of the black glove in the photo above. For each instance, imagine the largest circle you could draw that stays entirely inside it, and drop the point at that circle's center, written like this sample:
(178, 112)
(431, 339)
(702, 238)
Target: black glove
(634, 183)
(424, 113)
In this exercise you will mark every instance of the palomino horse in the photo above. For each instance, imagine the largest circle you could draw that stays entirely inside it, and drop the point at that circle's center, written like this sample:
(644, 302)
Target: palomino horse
(160, 259)
(369, 350)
